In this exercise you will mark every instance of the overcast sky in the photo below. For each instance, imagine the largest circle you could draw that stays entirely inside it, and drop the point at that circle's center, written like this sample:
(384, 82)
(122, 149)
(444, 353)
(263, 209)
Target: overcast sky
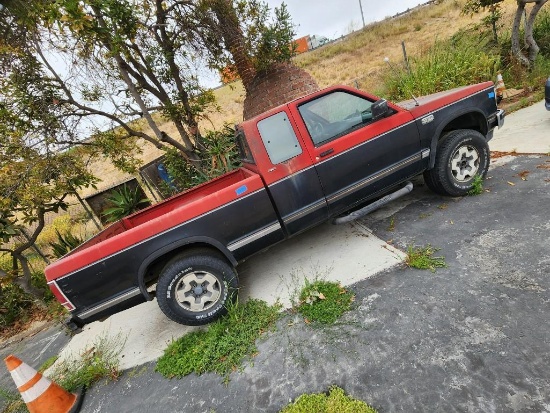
(333, 18)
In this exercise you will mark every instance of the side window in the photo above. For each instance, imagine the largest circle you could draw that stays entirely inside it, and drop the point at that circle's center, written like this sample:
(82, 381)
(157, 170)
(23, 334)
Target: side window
(279, 138)
(333, 115)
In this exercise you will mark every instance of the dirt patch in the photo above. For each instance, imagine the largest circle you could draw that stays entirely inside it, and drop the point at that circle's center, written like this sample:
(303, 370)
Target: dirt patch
(497, 154)
(35, 323)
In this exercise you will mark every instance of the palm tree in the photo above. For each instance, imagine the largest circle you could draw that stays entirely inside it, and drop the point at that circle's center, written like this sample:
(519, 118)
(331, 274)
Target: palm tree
(270, 79)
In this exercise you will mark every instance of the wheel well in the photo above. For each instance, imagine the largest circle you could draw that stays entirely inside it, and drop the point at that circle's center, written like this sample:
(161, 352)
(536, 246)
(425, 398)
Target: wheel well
(472, 120)
(155, 267)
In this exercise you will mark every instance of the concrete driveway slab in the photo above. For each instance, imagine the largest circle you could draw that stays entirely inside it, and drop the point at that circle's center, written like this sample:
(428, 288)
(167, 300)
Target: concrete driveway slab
(524, 131)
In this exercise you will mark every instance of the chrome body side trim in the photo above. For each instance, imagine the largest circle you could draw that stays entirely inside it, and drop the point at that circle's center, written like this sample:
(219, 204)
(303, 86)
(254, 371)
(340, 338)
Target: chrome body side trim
(253, 237)
(111, 303)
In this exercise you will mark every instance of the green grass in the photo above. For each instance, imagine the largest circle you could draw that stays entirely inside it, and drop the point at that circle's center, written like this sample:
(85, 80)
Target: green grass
(336, 401)
(471, 56)
(423, 258)
(324, 301)
(100, 361)
(13, 403)
(223, 346)
(462, 60)
(477, 186)
(47, 364)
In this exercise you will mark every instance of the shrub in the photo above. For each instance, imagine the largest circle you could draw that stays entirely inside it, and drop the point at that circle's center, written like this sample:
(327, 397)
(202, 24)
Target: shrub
(14, 303)
(541, 32)
(65, 244)
(219, 155)
(123, 202)
(61, 223)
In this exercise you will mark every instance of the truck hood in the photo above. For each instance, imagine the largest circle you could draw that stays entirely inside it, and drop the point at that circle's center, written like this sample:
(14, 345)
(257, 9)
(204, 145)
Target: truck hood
(429, 103)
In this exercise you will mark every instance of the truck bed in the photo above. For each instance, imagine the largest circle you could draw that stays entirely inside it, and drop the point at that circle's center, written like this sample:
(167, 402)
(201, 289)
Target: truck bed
(165, 215)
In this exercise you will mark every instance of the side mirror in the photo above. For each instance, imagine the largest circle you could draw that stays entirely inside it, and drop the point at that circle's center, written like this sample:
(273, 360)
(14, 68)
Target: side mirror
(379, 109)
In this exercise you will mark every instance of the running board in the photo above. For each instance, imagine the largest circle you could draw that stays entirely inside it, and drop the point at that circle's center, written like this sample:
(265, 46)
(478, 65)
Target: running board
(374, 206)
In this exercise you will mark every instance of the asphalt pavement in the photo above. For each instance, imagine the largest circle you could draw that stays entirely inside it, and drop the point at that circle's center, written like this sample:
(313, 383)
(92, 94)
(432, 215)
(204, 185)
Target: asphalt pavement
(470, 337)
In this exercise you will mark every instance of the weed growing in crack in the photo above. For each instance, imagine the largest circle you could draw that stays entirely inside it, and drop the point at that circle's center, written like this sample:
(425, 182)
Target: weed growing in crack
(324, 301)
(477, 186)
(99, 361)
(391, 227)
(333, 401)
(423, 258)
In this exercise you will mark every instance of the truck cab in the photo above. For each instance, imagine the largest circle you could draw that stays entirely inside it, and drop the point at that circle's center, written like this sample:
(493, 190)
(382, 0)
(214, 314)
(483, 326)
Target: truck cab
(320, 156)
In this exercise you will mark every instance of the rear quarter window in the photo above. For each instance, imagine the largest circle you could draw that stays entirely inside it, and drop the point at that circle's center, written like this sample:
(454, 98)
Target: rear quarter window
(279, 138)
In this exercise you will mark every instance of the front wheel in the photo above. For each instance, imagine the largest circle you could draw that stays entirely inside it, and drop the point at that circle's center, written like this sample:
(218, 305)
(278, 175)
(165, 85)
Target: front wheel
(194, 287)
(461, 156)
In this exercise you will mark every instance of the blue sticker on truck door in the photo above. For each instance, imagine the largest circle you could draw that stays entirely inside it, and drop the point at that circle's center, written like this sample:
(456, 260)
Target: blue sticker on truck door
(241, 190)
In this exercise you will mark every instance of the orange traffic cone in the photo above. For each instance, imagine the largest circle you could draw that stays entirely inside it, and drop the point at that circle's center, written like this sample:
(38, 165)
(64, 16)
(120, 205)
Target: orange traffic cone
(39, 393)
(500, 87)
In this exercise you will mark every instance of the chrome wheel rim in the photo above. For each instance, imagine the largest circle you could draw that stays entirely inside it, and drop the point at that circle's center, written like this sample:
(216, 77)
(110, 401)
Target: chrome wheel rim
(465, 163)
(197, 291)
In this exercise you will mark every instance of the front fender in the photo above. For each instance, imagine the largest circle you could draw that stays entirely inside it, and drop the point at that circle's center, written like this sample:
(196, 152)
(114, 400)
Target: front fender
(466, 119)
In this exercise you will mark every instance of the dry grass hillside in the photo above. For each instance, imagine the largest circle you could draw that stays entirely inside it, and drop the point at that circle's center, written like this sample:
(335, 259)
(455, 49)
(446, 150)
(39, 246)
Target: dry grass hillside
(357, 59)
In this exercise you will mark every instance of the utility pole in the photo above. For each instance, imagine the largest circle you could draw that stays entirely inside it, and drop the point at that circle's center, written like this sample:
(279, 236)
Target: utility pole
(362, 16)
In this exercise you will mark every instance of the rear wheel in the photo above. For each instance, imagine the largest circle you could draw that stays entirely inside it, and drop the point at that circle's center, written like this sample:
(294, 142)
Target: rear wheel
(461, 156)
(194, 287)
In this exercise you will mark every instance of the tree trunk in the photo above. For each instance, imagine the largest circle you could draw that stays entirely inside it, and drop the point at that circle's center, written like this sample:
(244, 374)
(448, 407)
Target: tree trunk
(516, 48)
(529, 25)
(529, 41)
(234, 40)
(281, 83)
(25, 283)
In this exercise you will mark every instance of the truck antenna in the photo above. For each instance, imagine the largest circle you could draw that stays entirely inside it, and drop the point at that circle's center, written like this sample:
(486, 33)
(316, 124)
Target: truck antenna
(387, 60)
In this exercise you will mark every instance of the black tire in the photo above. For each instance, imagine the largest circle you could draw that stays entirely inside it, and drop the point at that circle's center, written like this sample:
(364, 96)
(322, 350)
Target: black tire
(461, 155)
(432, 183)
(195, 286)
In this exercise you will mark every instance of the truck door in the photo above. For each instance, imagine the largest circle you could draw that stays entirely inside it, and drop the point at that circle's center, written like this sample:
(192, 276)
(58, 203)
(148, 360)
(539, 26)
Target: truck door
(355, 156)
(287, 171)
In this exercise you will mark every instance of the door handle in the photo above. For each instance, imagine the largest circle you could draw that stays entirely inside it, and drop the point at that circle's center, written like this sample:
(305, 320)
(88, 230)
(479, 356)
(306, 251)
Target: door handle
(327, 152)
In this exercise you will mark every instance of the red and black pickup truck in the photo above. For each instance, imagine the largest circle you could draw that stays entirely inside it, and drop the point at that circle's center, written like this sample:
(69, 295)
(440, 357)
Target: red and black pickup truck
(308, 161)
